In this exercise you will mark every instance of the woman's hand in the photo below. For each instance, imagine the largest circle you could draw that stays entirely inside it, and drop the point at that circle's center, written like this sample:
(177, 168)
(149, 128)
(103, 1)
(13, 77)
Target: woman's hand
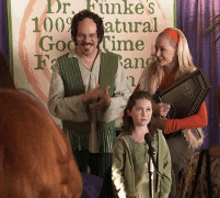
(161, 109)
(160, 122)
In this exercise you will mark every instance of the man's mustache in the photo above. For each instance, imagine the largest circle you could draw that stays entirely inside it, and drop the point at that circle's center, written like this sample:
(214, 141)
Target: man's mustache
(85, 43)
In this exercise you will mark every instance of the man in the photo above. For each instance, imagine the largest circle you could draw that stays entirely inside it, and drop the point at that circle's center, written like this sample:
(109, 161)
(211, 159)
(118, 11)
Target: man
(88, 91)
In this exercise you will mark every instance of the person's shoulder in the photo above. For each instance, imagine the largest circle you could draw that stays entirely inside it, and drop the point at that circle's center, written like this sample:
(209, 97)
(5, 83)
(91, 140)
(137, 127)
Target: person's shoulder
(106, 52)
(122, 137)
(66, 57)
(70, 54)
(191, 71)
(110, 58)
(63, 56)
(110, 54)
(159, 131)
(160, 135)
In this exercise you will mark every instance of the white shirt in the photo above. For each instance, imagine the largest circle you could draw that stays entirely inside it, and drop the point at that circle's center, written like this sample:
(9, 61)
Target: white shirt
(72, 108)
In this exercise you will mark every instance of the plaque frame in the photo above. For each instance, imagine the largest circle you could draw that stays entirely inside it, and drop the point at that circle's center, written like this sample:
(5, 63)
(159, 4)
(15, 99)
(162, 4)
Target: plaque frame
(186, 95)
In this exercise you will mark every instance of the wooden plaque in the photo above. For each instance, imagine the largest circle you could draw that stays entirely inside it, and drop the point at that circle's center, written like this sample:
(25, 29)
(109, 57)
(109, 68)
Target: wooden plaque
(186, 95)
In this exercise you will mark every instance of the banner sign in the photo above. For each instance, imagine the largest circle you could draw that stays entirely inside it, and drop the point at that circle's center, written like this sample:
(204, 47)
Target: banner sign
(40, 32)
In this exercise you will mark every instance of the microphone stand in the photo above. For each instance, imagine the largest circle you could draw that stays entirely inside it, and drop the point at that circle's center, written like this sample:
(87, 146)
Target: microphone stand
(151, 176)
(152, 169)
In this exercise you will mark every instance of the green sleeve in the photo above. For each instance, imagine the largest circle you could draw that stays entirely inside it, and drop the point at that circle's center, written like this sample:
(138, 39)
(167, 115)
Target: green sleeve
(166, 181)
(118, 165)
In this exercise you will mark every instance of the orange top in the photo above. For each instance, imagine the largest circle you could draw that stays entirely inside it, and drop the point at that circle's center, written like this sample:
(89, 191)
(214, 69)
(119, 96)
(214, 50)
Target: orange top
(195, 121)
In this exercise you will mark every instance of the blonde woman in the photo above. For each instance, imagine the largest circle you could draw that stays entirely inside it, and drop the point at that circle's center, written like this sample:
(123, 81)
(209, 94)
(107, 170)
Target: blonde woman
(173, 62)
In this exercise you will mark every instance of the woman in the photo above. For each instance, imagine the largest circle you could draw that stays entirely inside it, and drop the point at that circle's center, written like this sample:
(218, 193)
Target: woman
(173, 62)
(201, 177)
(36, 160)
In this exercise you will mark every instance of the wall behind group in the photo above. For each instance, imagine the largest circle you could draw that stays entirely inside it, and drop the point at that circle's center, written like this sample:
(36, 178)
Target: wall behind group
(32, 21)
(40, 32)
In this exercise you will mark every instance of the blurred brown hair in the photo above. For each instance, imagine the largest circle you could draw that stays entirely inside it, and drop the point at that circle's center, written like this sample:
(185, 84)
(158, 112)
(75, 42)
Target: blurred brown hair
(36, 160)
(6, 80)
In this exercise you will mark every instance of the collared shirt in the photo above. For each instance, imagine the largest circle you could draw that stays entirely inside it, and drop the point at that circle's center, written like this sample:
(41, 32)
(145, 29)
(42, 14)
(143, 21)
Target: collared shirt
(72, 108)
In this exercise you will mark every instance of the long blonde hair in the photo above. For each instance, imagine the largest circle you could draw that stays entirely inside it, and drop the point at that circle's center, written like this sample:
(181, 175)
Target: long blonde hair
(153, 74)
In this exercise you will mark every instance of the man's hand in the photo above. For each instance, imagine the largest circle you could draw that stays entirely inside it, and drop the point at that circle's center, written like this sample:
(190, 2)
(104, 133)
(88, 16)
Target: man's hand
(92, 95)
(103, 103)
(161, 109)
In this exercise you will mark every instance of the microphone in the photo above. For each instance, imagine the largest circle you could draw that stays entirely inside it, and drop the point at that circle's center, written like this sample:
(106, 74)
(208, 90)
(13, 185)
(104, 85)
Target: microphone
(148, 140)
(151, 151)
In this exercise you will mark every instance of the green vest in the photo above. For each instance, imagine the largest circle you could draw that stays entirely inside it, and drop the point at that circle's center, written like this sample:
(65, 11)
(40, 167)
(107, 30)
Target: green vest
(73, 85)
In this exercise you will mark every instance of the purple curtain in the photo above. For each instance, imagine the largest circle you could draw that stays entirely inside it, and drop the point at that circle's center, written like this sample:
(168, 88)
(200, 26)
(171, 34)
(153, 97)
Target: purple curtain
(4, 47)
(194, 16)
